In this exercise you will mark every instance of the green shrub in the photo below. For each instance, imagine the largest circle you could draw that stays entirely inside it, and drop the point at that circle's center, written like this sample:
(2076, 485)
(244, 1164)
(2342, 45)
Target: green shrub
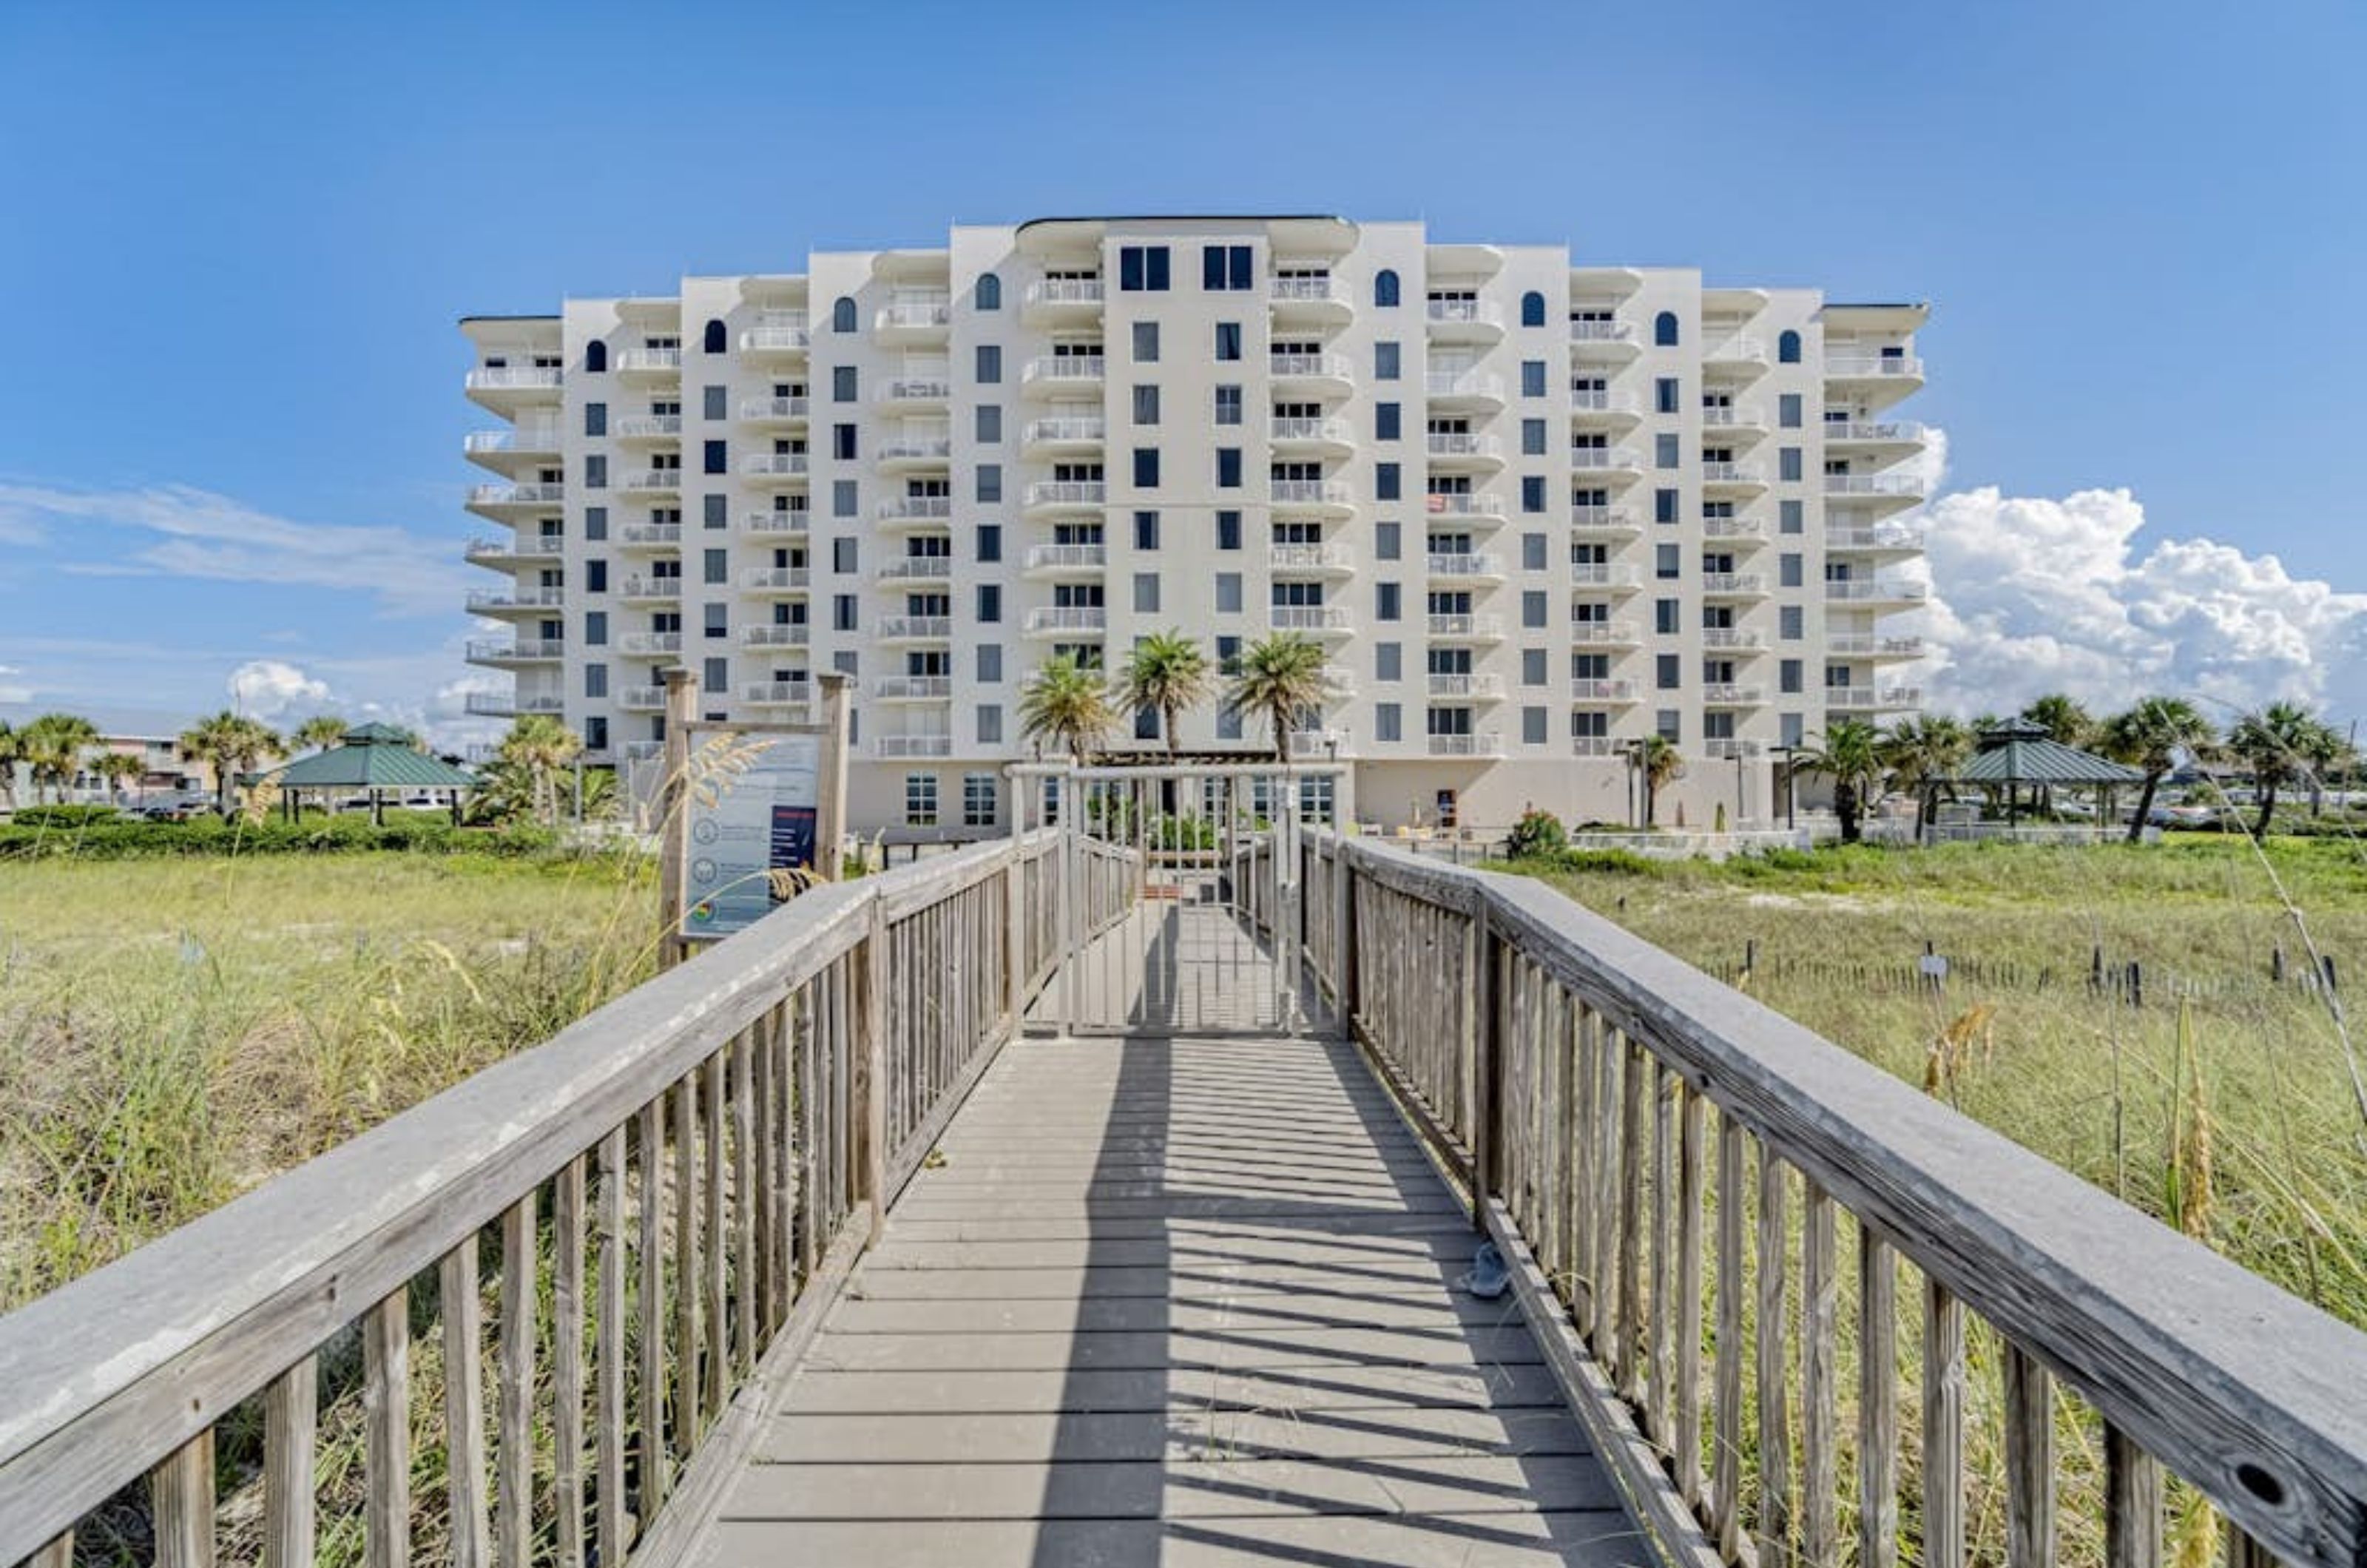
(1536, 834)
(212, 836)
(64, 816)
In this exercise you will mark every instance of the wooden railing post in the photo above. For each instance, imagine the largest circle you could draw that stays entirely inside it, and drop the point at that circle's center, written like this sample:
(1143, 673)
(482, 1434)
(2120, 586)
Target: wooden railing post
(869, 1175)
(1487, 1057)
(681, 708)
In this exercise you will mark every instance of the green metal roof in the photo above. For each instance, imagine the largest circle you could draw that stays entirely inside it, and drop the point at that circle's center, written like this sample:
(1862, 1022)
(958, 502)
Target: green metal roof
(372, 757)
(2021, 753)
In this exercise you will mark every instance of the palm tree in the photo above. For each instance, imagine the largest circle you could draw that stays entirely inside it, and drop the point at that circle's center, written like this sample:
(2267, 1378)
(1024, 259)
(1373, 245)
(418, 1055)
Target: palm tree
(2065, 721)
(54, 745)
(1923, 751)
(232, 744)
(1168, 672)
(1851, 758)
(12, 750)
(116, 767)
(2279, 743)
(1278, 676)
(1067, 705)
(1657, 758)
(318, 733)
(2149, 736)
(540, 746)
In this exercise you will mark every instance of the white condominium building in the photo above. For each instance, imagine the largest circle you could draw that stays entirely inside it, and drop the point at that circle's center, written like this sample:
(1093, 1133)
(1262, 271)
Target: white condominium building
(1534, 512)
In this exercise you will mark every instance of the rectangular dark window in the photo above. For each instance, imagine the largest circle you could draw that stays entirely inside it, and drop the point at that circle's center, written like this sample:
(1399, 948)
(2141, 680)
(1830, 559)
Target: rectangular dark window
(989, 482)
(1385, 362)
(1388, 601)
(1533, 377)
(989, 541)
(1229, 340)
(595, 522)
(1142, 268)
(1386, 483)
(1229, 530)
(1664, 394)
(1385, 420)
(1146, 405)
(1533, 494)
(1229, 467)
(1225, 267)
(595, 419)
(841, 384)
(1664, 506)
(1146, 467)
(1146, 530)
(990, 363)
(990, 422)
(842, 442)
(989, 602)
(1229, 405)
(717, 454)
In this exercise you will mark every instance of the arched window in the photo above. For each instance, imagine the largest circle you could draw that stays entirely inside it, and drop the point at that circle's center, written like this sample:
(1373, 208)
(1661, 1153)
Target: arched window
(990, 292)
(1385, 287)
(1664, 330)
(841, 315)
(715, 338)
(1533, 308)
(596, 356)
(1787, 348)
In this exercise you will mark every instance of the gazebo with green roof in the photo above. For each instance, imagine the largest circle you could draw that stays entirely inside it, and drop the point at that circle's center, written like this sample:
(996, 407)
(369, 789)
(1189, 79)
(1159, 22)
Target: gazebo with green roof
(2019, 755)
(373, 757)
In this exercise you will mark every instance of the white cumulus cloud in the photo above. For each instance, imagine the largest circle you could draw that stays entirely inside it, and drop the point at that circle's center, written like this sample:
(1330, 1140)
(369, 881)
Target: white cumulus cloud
(270, 689)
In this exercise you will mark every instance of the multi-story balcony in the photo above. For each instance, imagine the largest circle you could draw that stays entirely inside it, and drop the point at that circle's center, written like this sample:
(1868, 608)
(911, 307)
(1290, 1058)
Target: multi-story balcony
(776, 694)
(644, 751)
(1051, 301)
(1872, 593)
(1471, 566)
(775, 579)
(1311, 498)
(773, 468)
(777, 634)
(916, 569)
(642, 699)
(1734, 639)
(645, 484)
(518, 601)
(1865, 645)
(914, 628)
(1063, 374)
(891, 747)
(1452, 451)
(1477, 743)
(647, 539)
(650, 645)
(507, 451)
(1466, 628)
(647, 427)
(1603, 634)
(769, 525)
(1594, 409)
(1727, 749)
(649, 364)
(1315, 375)
(1311, 560)
(1890, 439)
(1733, 478)
(637, 589)
(913, 321)
(1311, 437)
(520, 549)
(1603, 524)
(1745, 423)
(1734, 585)
(1068, 436)
(1464, 320)
(509, 704)
(912, 688)
(1748, 532)
(1053, 562)
(1888, 542)
(1318, 301)
(914, 391)
(1465, 391)
(1477, 510)
(907, 512)
(1618, 577)
(517, 651)
(1312, 620)
(776, 336)
(912, 454)
(1873, 699)
(1845, 369)
(1594, 746)
(1875, 495)
(1312, 744)
(506, 388)
(1737, 354)
(1603, 691)
(1724, 695)
(1610, 343)
(1068, 620)
(1047, 498)
(515, 500)
(1477, 688)
(1606, 465)
(772, 411)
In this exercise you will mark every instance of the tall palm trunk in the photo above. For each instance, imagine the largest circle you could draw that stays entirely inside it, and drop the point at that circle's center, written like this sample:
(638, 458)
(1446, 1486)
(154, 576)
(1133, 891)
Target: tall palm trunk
(2145, 807)
(1845, 807)
(2268, 810)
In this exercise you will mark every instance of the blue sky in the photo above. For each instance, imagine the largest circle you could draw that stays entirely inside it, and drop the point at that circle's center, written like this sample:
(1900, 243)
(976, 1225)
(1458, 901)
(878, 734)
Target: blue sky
(239, 235)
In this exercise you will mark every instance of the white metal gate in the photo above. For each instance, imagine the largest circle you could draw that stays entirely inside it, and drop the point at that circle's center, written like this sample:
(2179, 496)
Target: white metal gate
(1181, 897)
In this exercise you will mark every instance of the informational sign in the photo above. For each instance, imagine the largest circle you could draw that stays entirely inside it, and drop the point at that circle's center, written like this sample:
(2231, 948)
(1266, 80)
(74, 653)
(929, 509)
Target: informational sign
(757, 814)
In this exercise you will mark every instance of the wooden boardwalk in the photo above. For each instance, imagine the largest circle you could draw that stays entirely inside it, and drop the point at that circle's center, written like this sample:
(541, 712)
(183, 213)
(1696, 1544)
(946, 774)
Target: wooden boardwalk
(1172, 1301)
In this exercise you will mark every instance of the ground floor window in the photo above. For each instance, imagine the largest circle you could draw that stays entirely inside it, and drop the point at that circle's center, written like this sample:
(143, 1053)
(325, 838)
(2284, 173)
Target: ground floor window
(920, 800)
(977, 800)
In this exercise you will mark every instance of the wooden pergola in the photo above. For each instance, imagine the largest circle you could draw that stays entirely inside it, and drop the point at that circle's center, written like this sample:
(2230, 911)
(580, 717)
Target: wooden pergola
(371, 757)
(2018, 756)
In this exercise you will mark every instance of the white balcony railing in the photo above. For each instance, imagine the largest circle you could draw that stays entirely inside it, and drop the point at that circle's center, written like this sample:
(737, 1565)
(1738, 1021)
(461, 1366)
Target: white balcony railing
(777, 634)
(1602, 520)
(524, 438)
(1466, 628)
(1856, 366)
(1068, 558)
(1601, 689)
(914, 314)
(1052, 432)
(642, 699)
(517, 495)
(913, 688)
(762, 409)
(1856, 591)
(648, 645)
(650, 481)
(915, 629)
(1733, 638)
(1733, 583)
(1602, 634)
(1069, 618)
(1463, 383)
(916, 509)
(1594, 400)
(1333, 432)
(786, 334)
(1308, 618)
(1309, 290)
(646, 361)
(1452, 443)
(647, 426)
(1480, 743)
(651, 535)
(1726, 748)
(1305, 367)
(778, 694)
(1732, 416)
(1068, 492)
(1455, 504)
(917, 568)
(1865, 645)
(1600, 331)
(1733, 474)
(775, 578)
(1465, 564)
(513, 378)
(911, 746)
(640, 587)
(1604, 574)
(1725, 695)
(1872, 484)
(1733, 529)
(1879, 432)
(516, 650)
(1873, 698)
(1310, 493)
(773, 465)
(1481, 688)
(1739, 348)
(1077, 369)
(1288, 558)
(1603, 460)
(1064, 291)
(522, 599)
(1872, 538)
(1463, 312)
(796, 521)
(916, 389)
(915, 449)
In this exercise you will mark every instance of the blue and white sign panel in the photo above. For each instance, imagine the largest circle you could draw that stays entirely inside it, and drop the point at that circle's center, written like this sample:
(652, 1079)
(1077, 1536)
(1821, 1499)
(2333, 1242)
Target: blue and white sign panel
(743, 825)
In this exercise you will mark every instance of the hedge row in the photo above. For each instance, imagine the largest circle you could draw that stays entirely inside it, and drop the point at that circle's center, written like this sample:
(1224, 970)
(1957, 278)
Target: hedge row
(212, 836)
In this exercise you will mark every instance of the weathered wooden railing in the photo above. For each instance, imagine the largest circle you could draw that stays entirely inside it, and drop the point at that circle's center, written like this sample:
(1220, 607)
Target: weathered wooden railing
(1680, 1174)
(672, 1190)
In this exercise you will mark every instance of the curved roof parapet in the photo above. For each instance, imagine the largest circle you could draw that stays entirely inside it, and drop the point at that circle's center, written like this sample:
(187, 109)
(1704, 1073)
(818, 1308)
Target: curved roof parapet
(649, 310)
(1599, 282)
(1881, 318)
(510, 328)
(1463, 260)
(774, 288)
(1743, 302)
(1299, 233)
(911, 266)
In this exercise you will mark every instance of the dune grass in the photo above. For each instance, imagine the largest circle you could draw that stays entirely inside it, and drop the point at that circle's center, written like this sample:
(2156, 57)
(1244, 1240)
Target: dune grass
(174, 1031)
